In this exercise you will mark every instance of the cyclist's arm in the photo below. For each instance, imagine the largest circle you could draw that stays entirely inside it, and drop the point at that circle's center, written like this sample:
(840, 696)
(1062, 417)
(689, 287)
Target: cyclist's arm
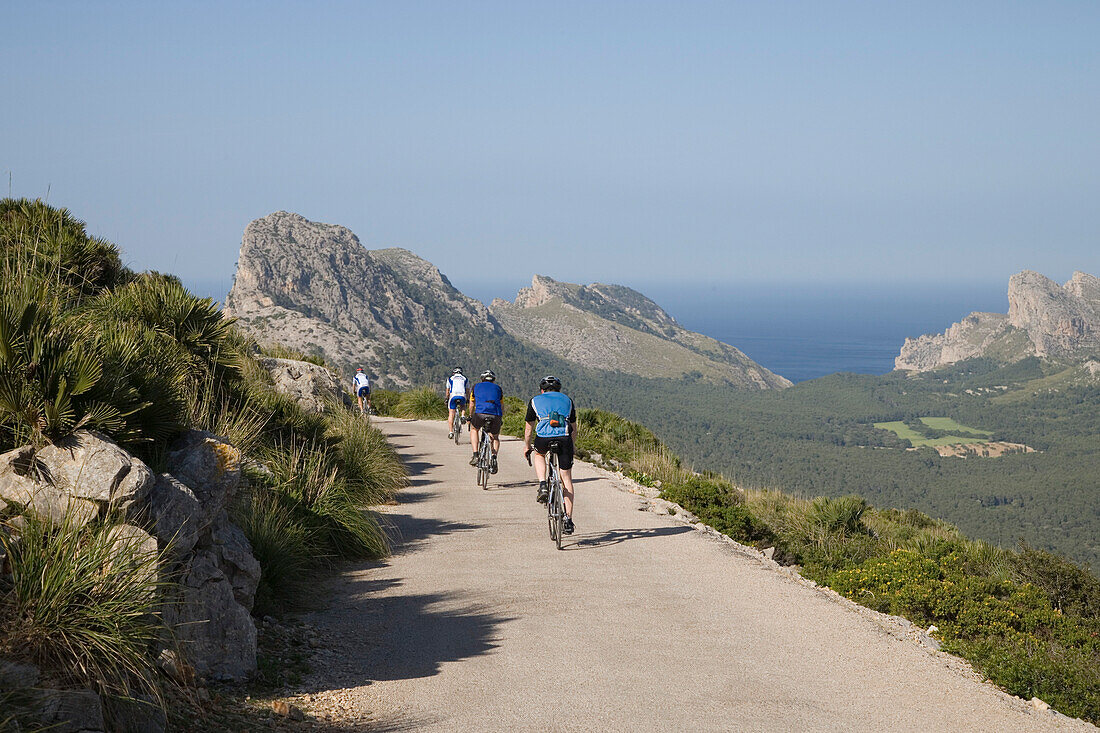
(528, 430)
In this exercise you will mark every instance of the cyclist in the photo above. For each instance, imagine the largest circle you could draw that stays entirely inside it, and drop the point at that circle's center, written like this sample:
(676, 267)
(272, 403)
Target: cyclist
(552, 416)
(487, 410)
(457, 396)
(362, 388)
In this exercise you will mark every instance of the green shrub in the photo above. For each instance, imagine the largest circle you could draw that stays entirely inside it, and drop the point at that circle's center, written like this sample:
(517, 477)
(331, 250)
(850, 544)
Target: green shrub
(282, 544)
(83, 604)
(716, 503)
(384, 401)
(279, 351)
(1070, 588)
(421, 404)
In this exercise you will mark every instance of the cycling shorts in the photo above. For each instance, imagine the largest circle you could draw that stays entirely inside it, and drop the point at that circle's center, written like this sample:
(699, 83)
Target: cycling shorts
(364, 391)
(565, 458)
(491, 423)
(456, 403)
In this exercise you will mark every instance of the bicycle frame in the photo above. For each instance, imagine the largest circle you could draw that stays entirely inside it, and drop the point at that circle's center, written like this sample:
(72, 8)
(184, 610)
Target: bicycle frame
(484, 452)
(555, 503)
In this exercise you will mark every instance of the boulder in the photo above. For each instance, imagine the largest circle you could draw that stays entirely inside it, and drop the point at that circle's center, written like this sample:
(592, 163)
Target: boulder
(210, 466)
(71, 711)
(215, 632)
(44, 500)
(311, 385)
(138, 715)
(89, 465)
(15, 676)
(235, 559)
(175, 515)
(134, 543)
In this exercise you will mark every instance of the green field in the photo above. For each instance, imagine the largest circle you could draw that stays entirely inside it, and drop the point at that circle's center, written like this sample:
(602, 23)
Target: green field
(905, 432)
(947, 423)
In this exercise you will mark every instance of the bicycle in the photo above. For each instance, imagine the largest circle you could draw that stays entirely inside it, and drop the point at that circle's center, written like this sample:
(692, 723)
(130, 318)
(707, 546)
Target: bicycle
(460, 419)
(555, 502)
(484, 456)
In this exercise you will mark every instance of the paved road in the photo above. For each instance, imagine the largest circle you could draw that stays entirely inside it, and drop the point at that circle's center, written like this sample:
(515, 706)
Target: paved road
(639, 623)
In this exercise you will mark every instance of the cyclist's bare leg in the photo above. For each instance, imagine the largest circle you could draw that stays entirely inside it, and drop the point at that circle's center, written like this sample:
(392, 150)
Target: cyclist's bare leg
(361, 404)
(475, 434)
(539, 462)
(451, 420)
(567, 489)
(494, 443)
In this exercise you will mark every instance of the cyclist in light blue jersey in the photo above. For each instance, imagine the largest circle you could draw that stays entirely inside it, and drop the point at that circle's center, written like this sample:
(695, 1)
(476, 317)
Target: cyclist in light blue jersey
(551, 416)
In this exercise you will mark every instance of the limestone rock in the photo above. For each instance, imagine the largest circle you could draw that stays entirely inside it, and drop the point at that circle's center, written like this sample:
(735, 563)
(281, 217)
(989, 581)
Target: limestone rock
(175, 515)
(71, 711)
(214, 631)
(139, 715)
(209, 466)
(45, 500)
(138, 545)
(15, 676)
(89, 465)
(311, 385)
(1044, 319)
(235, 559)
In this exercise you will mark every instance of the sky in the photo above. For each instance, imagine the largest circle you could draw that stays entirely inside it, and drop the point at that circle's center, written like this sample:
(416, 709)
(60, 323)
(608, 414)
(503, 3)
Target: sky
(645, 143)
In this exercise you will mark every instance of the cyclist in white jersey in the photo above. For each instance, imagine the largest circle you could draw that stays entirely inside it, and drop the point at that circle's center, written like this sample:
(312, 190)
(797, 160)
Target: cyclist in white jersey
(362, 388)
(458, 396)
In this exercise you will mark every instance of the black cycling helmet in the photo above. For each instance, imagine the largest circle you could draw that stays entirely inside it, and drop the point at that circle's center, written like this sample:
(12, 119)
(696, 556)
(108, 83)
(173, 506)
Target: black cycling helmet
(456, 370)
(488, 375)
(550, 383)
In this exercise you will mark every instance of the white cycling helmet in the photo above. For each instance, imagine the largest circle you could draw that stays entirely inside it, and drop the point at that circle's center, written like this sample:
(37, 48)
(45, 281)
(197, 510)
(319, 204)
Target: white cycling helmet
(488, 375)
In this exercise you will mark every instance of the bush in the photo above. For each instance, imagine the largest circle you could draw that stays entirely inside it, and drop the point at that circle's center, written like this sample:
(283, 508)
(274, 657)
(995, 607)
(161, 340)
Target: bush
(83, 604)
(384, 401)
(279, 351)
(282, 544)
(421, 404)
(1070, 588)
(716, 503)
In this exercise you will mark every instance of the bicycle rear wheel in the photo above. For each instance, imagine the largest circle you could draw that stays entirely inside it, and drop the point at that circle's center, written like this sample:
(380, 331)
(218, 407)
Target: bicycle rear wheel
(559, 512)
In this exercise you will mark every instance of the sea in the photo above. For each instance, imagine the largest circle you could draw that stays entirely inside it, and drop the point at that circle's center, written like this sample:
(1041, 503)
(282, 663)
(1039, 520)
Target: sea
(799, 330)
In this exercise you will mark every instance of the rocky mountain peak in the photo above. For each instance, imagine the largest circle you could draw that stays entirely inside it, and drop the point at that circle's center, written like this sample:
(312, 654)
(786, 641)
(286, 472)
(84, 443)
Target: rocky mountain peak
(1044, 319)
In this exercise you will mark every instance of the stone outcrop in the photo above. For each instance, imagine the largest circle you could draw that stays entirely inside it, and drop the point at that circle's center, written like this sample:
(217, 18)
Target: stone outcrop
(315, 288)
(1044, 319)
(602, 324)
(181, 514)
(311, 385)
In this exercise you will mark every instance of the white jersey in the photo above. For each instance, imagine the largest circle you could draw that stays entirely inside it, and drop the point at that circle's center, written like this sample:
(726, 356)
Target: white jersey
(456, 386)
(361, 380)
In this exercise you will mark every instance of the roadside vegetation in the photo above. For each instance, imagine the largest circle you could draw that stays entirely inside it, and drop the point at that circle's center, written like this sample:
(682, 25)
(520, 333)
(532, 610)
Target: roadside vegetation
(87, 343)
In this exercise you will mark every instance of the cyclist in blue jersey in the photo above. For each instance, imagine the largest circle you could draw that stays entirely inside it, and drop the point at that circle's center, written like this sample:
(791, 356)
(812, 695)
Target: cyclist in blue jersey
(458, 394)
(487, 410)
(551, 416)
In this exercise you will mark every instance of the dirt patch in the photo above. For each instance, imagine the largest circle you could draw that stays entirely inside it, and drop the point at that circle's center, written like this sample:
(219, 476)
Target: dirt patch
(994, 449)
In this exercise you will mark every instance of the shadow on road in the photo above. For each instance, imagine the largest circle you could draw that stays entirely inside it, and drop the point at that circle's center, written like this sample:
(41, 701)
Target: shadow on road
(406, 530)
(615, 536)
(390, 636)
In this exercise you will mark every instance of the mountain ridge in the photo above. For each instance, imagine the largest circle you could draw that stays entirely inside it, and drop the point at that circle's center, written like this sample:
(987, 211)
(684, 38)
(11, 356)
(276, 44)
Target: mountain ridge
(316, 288)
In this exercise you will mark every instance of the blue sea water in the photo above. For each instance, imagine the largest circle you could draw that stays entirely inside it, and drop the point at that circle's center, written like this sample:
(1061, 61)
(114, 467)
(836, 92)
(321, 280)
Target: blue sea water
(809, 331)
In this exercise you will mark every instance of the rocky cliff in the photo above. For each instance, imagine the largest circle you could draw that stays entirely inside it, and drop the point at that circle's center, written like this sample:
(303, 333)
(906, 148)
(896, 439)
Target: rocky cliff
(1044, 319)
(602, 324)
(315, 288)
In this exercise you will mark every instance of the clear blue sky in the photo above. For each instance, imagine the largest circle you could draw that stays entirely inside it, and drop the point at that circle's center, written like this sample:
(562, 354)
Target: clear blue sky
(625, 142)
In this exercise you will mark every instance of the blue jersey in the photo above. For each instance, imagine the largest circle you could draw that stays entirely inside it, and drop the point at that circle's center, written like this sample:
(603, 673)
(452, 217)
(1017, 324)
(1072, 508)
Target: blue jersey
(488, 398)
(551, 412)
